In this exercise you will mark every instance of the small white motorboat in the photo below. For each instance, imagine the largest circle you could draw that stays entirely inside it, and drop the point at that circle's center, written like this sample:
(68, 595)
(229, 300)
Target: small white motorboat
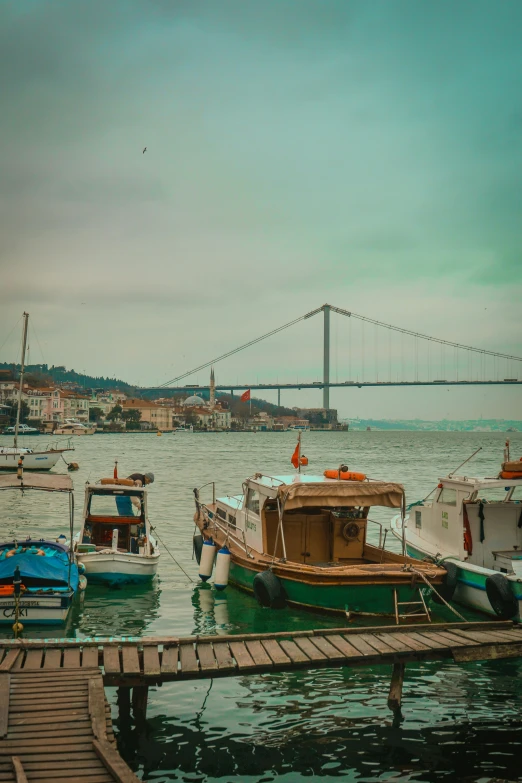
(115, 543)
(74, 427)
(23, 429)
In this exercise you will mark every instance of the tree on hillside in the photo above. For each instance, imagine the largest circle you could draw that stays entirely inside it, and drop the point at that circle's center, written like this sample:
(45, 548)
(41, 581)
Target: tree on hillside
(95, 414)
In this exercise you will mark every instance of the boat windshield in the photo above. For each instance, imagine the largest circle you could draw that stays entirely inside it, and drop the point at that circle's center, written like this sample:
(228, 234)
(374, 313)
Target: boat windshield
(106, 505)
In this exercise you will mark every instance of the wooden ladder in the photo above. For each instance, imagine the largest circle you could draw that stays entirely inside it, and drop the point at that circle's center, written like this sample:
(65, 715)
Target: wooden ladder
(416, 610)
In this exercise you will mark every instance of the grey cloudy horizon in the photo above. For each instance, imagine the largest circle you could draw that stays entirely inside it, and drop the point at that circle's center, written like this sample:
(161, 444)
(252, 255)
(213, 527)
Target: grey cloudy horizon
(298, 152)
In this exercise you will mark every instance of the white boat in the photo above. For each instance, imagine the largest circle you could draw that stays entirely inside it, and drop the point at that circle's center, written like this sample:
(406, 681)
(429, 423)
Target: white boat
(472, 526)
(38, 578)
(10, 456)
(185, 428)
(23, 429)
(114, 543)
(74, 427)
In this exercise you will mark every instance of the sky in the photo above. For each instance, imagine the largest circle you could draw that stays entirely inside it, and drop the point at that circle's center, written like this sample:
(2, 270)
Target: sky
(365, 154)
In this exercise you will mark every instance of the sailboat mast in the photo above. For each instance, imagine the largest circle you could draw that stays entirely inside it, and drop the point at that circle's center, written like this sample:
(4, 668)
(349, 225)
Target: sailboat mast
(22, 368)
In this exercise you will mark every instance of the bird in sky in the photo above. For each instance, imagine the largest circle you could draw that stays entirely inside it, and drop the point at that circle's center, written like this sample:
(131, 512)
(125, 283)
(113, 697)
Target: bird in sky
(144, 150)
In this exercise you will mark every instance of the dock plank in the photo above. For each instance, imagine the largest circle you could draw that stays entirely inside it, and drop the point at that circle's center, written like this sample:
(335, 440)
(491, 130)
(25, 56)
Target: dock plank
(294, 652)
(347, 649)
(258, 653)
(243, 658)
(9, 660)
(151, 661)
(71, 658)
(97, 708)
(90, 657)
(188, 660)
(310, 650)
(169, 660)
(33, 659)
(52, 659)
(276, 653)
(111, 660)
(114, 763)
(130, 659)
(206, 656)
(360, 644)
(223, 657)
(4, 702)
(328, 649)
(377, 643)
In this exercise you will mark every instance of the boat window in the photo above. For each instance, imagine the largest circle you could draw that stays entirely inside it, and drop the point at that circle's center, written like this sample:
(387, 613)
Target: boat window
(418, 519)
(448, 496)
(252, 501)
(231, 520)
(112, 506)
(221, 513)
(491, 494)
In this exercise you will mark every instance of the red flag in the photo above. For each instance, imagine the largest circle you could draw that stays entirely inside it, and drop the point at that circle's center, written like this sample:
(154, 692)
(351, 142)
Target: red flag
(246, 396)
(295, 456)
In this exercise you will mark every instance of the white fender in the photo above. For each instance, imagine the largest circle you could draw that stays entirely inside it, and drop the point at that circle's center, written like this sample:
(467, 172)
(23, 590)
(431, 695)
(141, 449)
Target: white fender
(206, 564)
(222, 568)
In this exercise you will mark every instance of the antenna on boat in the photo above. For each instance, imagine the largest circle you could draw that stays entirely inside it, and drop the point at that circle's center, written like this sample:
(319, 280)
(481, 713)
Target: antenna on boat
(450, 475)
(506, 451)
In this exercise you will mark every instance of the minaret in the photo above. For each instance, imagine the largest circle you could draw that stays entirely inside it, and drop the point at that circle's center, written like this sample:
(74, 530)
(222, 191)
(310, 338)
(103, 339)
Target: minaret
(212, 389)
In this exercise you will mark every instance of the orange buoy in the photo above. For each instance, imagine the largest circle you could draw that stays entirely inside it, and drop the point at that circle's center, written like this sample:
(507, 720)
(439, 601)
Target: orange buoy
(347, 475)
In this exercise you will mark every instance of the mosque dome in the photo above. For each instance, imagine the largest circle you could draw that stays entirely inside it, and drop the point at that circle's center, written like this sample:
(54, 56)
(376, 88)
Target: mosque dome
(194, 401)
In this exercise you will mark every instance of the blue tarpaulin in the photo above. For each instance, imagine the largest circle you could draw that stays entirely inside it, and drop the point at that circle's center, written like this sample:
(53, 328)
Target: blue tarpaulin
(40, 569)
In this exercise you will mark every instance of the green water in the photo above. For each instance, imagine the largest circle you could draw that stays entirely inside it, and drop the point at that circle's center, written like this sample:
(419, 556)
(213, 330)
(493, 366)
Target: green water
(461, 722)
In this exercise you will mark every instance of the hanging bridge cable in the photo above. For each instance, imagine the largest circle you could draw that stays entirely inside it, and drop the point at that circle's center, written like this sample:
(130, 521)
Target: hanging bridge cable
(350, 349)
(423, 336)
(389, 355)
(336, 351)
(362, 373)
(376, 330)
(240, 348)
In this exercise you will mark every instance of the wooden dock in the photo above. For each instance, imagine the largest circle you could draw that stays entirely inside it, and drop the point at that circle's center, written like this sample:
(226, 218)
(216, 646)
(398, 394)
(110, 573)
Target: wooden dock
(55, 722)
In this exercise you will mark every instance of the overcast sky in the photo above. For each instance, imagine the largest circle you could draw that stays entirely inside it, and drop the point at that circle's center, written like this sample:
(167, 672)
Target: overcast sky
(367, 154)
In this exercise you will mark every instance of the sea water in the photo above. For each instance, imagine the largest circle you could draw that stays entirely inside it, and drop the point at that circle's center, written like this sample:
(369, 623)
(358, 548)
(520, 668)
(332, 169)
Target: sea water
(461, 722)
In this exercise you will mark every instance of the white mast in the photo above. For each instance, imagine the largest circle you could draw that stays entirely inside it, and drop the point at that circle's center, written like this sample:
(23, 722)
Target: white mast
(24, 345)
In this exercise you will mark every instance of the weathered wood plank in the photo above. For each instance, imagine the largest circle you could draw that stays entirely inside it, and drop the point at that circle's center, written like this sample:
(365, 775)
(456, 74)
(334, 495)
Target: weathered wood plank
(47, 720)
(111, 660)
(243, 658)
(395, 694)
(444, 637)
(427, 639)
(487, 652)
(11, 747)
(347, 649)
(18, 770)
(131, 661)
(151, 661)
(393, 641)
(33, 659)
(223, 656)
(361, 645)
(114, 763)
(71, 658)
(4, 702)
(418, 645)
(328, 649)
(43, 706)
(9, 660)
(53, 659)
(36, 730)
(377, 643)
(258, 653)
(189, 662)
(295, 654)
(102, 777)
(276, 652)
(207, 660)
(169, 660)
(90, 657)
(97, 708)
(310, 650)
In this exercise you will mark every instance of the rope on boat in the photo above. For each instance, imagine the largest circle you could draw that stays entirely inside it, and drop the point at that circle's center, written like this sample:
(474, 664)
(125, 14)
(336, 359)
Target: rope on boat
(172, 556)
(419, 573)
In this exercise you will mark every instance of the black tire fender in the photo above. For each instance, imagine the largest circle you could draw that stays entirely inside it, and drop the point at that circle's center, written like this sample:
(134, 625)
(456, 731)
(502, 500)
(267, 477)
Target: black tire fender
(269, 591)
(501, 597)
(197, 546)
(447, 588)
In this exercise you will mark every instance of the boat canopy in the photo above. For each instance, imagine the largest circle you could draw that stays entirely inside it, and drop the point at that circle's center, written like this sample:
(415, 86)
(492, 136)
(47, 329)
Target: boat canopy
(49, 483)
(52, 569)
(341, 493)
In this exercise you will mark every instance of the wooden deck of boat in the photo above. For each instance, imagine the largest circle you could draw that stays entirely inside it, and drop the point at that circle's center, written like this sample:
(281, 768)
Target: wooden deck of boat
(55, 724)
(151, 660)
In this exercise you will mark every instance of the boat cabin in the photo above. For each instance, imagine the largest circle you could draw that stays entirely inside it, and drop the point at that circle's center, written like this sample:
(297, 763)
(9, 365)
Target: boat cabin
(114, 517)
(303, 518)
(477, 520)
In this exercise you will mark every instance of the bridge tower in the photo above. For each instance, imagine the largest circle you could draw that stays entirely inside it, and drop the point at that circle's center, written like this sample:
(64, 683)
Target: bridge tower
(326, 357)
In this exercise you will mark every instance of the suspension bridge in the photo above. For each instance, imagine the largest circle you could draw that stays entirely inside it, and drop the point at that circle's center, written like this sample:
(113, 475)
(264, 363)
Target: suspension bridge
(378, 355)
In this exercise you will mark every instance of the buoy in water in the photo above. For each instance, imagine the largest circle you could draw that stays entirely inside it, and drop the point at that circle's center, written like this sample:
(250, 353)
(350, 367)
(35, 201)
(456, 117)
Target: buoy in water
(222, 568)
(206, 564)
(158, 434)
(72, 466)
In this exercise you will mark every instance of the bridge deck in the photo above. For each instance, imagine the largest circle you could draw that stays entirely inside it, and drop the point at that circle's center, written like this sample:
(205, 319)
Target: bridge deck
(134, 662)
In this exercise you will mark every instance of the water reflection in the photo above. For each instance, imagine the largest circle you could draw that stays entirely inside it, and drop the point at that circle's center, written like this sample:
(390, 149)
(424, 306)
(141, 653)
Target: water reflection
(127, 611)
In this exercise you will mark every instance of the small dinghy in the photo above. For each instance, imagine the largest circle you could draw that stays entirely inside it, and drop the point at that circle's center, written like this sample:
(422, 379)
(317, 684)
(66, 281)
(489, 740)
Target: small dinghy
(38, 578)
(115, 544)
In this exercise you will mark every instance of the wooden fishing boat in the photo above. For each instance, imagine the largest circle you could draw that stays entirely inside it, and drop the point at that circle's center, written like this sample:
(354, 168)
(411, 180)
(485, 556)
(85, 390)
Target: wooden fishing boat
(115, 543)
(302, 540)
(38, 577)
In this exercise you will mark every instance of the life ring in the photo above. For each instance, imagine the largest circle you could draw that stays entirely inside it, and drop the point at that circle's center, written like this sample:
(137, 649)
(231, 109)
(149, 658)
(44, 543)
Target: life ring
(448, 587)
(269, 591)
(119, 481)
(350, 531)
(197, 546)
(501, 597)
(347, 475)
